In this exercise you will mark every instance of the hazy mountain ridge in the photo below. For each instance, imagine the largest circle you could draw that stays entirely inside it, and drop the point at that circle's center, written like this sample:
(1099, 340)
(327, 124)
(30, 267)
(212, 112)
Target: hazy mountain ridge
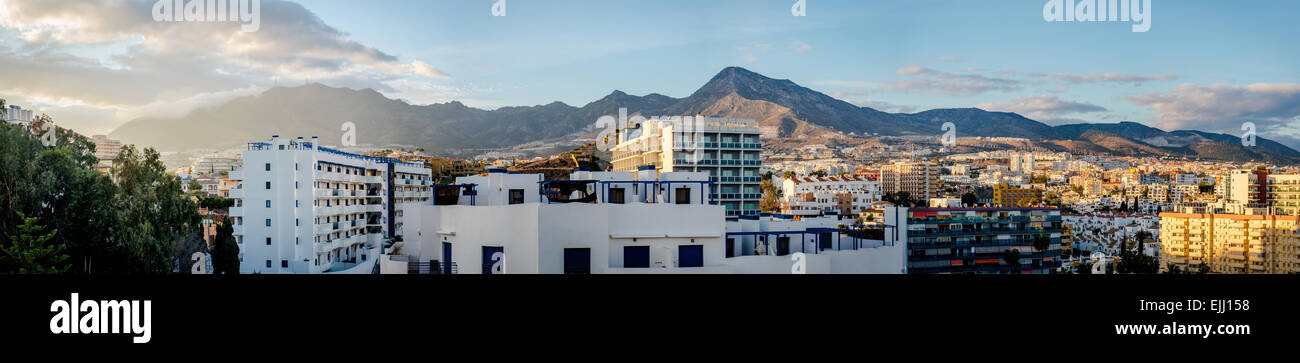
(783, 109)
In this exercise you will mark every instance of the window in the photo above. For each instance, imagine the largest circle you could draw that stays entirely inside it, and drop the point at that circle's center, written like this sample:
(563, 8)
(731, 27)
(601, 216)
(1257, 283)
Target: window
(617, 195)
(636, 257)
(268, 222)
(268, 263)
(268, 241)
(284, 263)
(268, 204)
(268, 166)
(683, 196)
(690, 256)
(577, 261)
(516, 196)
(268, 185)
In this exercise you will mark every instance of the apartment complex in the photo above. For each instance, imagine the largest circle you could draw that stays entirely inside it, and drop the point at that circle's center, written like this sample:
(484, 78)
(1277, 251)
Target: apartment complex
(726, 150)
(303, 208)
(1231, 243)
(920, 180)
(1013, 196)
(1281, 192)
(218, 162)
(843, 195)
(977, 240)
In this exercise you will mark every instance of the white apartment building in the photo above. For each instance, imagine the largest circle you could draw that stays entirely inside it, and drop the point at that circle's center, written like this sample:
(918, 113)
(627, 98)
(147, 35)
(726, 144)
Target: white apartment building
(106, 150)
(727, 150)
(216, 163)
(845, 195)
(17, 115)
(303, 208)
(641, 222)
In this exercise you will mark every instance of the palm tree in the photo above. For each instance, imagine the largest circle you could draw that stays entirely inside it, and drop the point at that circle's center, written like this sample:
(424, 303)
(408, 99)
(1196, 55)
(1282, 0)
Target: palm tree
(1041, 242)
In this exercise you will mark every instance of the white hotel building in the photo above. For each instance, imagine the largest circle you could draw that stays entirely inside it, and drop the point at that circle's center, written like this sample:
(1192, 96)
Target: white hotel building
(303, 208)
(726, 150)
(641, 222)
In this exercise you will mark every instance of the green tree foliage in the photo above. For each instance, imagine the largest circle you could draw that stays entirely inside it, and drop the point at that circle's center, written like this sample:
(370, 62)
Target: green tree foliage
(216, 202)
(225, 252)
(772, 195)
(31, 251)
(1012, 259)
(128, 222)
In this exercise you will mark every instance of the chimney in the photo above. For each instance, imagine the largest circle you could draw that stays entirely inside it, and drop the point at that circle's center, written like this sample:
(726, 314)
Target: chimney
(315, 143)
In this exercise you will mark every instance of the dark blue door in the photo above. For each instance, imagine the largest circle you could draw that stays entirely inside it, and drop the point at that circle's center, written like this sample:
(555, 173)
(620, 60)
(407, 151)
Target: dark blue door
(577, 261)
(690, 256)
(636, 256)
(488, 262)
(446, 258)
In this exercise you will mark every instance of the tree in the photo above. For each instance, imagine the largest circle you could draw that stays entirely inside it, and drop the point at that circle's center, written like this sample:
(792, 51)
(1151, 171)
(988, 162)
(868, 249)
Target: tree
(1041, 243)
(225, 251)
(1173, 269)
(31, 251)
(772, 195)
(1203, 268)
(969, 199)
(1012, 259)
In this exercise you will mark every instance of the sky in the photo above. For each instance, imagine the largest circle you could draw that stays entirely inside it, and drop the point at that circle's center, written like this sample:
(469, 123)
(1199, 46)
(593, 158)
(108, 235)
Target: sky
(1203, 64)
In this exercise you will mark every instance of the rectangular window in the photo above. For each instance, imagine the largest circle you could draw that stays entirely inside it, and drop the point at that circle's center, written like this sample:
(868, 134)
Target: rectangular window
(268, 204)
(268, 166)
(577, 261)
(516, 196)
(617, 195)
(268, 241)
(683, 196)
(268, 185)
(268, 222)
(636, 257)
(268, 263)
(284, 263)
(690, 256)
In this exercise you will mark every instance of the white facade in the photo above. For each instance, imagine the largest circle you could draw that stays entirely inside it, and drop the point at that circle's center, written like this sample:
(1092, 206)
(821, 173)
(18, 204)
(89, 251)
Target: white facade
(302, 208)
(610, 223)
(17, 115)
(810, 196)
(728, 151)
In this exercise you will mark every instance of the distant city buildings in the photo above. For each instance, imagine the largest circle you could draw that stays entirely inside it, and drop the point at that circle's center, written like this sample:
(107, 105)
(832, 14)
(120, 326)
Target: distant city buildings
(218, 162)
(919, 180)
(106, 150)
(303, 208)
(812, 196)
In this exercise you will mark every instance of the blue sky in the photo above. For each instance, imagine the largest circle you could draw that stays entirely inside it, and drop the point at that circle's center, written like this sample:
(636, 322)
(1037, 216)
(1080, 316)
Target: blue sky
(1204, 64)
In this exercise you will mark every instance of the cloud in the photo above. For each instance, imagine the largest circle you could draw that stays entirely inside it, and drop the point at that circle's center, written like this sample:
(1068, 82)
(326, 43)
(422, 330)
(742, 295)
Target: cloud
(800, 47)
(1043, 108)
(141, 67)
(1224, 107)
(429, 71)
(750, 58)
(1112, 78)
(950, 58)
(954, 84)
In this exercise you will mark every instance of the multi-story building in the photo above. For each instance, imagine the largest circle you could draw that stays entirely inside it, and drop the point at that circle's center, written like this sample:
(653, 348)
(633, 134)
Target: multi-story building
(17, 115)
(1281, 192)
(106, 151)
(920, 180)
(978, 240)
(727, 150)
(303, 208)
(1013, 196)
(618, 223)
(1231, 243)
(218, 162)
(845, 195)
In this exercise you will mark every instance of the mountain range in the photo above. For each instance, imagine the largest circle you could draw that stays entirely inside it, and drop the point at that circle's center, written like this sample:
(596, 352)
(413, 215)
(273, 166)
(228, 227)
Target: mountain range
(784, 110)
